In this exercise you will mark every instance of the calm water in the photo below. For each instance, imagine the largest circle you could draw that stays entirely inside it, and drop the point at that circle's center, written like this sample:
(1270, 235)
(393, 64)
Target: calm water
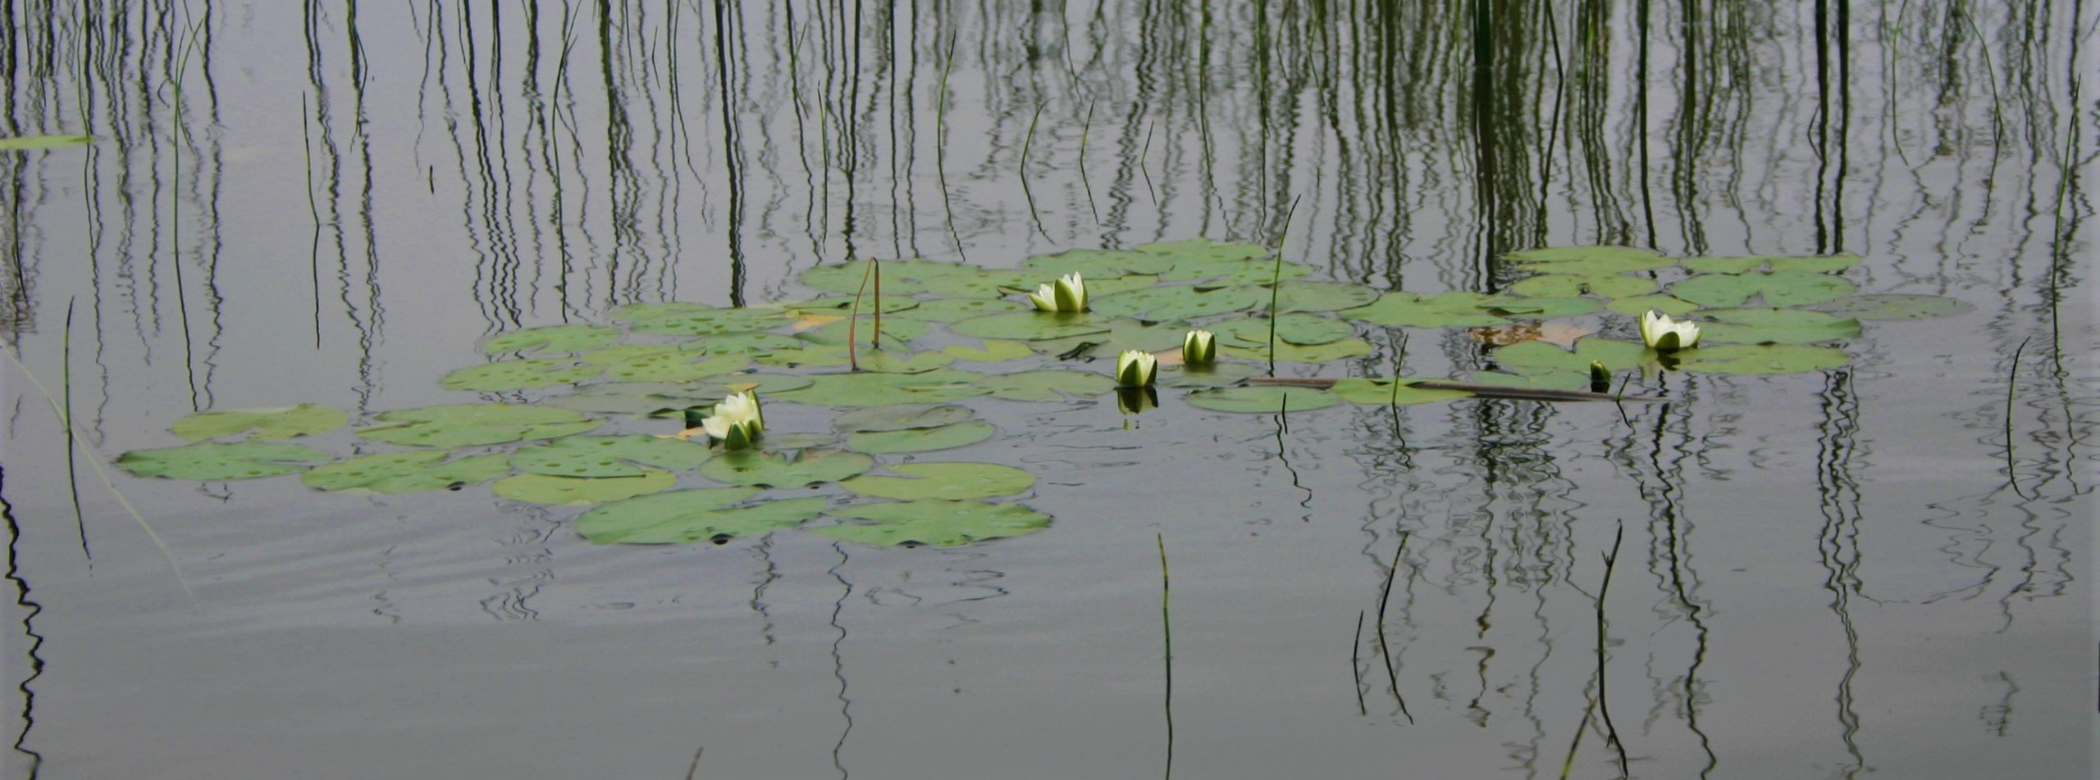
(1876, 570)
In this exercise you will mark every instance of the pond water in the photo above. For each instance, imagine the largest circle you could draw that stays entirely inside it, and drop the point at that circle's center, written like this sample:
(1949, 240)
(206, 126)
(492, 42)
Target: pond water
(1875, 565)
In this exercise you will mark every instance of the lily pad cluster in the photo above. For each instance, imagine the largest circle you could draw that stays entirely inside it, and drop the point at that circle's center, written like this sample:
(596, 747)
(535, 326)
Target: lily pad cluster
(599, 430)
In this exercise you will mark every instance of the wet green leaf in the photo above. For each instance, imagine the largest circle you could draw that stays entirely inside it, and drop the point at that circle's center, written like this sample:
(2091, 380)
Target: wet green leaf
(899, 362)
(1179, 302)
(31, 142)
(741, 343)
(209, 462)
(1759, 359)
(933, 523)
(993, 351)
(1376, 391)
(986, 287)
(1214, 375)
(1724, 265)
(1642, 304)
(1262, 399)
(1776, 326)
(1778, 289)
(1323, 296)
(1816, 264)
(900, 417)
(1574, 286)
(1743, 265)
(1302, 329)
(505, 375)
(875, 389)
(694, 515)
(652, 397)
(1096, 262)
(1894, 306)
(1542, 379)
(1541, 308)
(1293, 353)
(1533, 357)
(1589, 260)
(413, 471)
(950, 481)
(694, 319)
(1047, 385)
(557, 339)
(1123, 333)
(467, 425)
(953, 309)
(848, 277)
(835, 333)
(777, 470)
(928, 440)
(1201, 251)
(279, 423)
(1031, 326)
(609, 456)
(680, 366)
(571, 491)
(1450, 310)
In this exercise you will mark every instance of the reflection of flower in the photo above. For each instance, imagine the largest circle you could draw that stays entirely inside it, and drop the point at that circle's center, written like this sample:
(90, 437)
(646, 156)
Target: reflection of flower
(1663, 334)
(1134, 368)
(1067, 295)
(1199, 347)
(1136, 400)
(736, 421)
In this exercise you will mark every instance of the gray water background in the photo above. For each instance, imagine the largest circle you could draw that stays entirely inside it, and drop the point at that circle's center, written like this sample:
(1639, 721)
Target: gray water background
(1875, 570)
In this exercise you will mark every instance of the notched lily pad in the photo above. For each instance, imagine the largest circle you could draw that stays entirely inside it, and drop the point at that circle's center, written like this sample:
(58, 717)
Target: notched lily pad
(900, 417)
(1301, 329)
(927, 440)
(505, 375)
(266, 424)
(1449, 310)
(543, 489)
(1778, 289)
(1180, 302)
(678, 366)
(1758, 359)
(1323, 296)
(1575, 286)
(210, 462)
(609, 456)
(468, 425)
(1046, 385)
(1589, 260)
(1031, 326)
(778, 470)
(933, 523)
(695, 515)
(413, 471)
(877, 389)
(1372, 390)
(1097, 262)
(950, 481)
(1776, 326)
(555, 339)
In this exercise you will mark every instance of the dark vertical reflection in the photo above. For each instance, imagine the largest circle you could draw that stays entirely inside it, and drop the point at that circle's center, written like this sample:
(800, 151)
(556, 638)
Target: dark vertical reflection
(1838, 542)
(30, 609)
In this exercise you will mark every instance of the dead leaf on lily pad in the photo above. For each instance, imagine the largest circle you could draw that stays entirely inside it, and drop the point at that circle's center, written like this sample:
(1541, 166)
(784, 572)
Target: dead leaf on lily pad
(1561, 333)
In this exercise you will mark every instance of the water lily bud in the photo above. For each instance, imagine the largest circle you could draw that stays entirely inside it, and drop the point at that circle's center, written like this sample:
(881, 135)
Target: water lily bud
(1135, 368)
(1666, 335)
(1044, 298)
(742, 408)
(1600, 377)
(1071, 293)
(1198, 348)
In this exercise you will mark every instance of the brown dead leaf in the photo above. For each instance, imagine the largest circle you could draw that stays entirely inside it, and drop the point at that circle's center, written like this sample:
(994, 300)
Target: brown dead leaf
(1560, 333)
(808, 321)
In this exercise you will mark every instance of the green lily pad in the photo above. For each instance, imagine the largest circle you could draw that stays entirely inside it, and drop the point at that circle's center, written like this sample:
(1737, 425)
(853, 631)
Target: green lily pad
(32, 142)
(986, 286)
(1759, 359)
(777, 470)
(1642, 304)
(933, 523)
(1743, 265)
(211, 462)
(680, 366)
(1724, 265)
(848, 277)
(1180, 302)
(1123, 333)
(695, 515)
(1589, 260)
(1894, 306)
(1047, 385)
(1779, 289)
(946, 437)
(1301, 329)
(953, 309)
(1213, 375)
(901, 362)
(413, 471)
(1776, 326)
(1376, 391)
(544, 489)
(877, 389)
(1096, 262)
(741, 343)
(468, 425)
(1534, 357)
(901, 417)
(1257, 277)
(993, 351)
(842, 306)
(1293, 353)
(301, 420)
(950, 481)
(1262, 399)
(1031, 326)
(1540, 379)
(654, 397)
(1449, 310)
(517, 375)
(1200, 251)
(557, 339)
(694, 319)
(1323, 296)
(608, 456)
(835, 333)
(1541, 308)
(1574, 286)
(811, 356)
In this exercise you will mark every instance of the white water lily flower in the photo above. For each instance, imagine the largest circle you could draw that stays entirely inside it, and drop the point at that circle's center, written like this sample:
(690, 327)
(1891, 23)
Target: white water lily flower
(1663, 334)
(1067, 295)
(1198, 348)
(731, 435)
(742, 408)
(1135, 368)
